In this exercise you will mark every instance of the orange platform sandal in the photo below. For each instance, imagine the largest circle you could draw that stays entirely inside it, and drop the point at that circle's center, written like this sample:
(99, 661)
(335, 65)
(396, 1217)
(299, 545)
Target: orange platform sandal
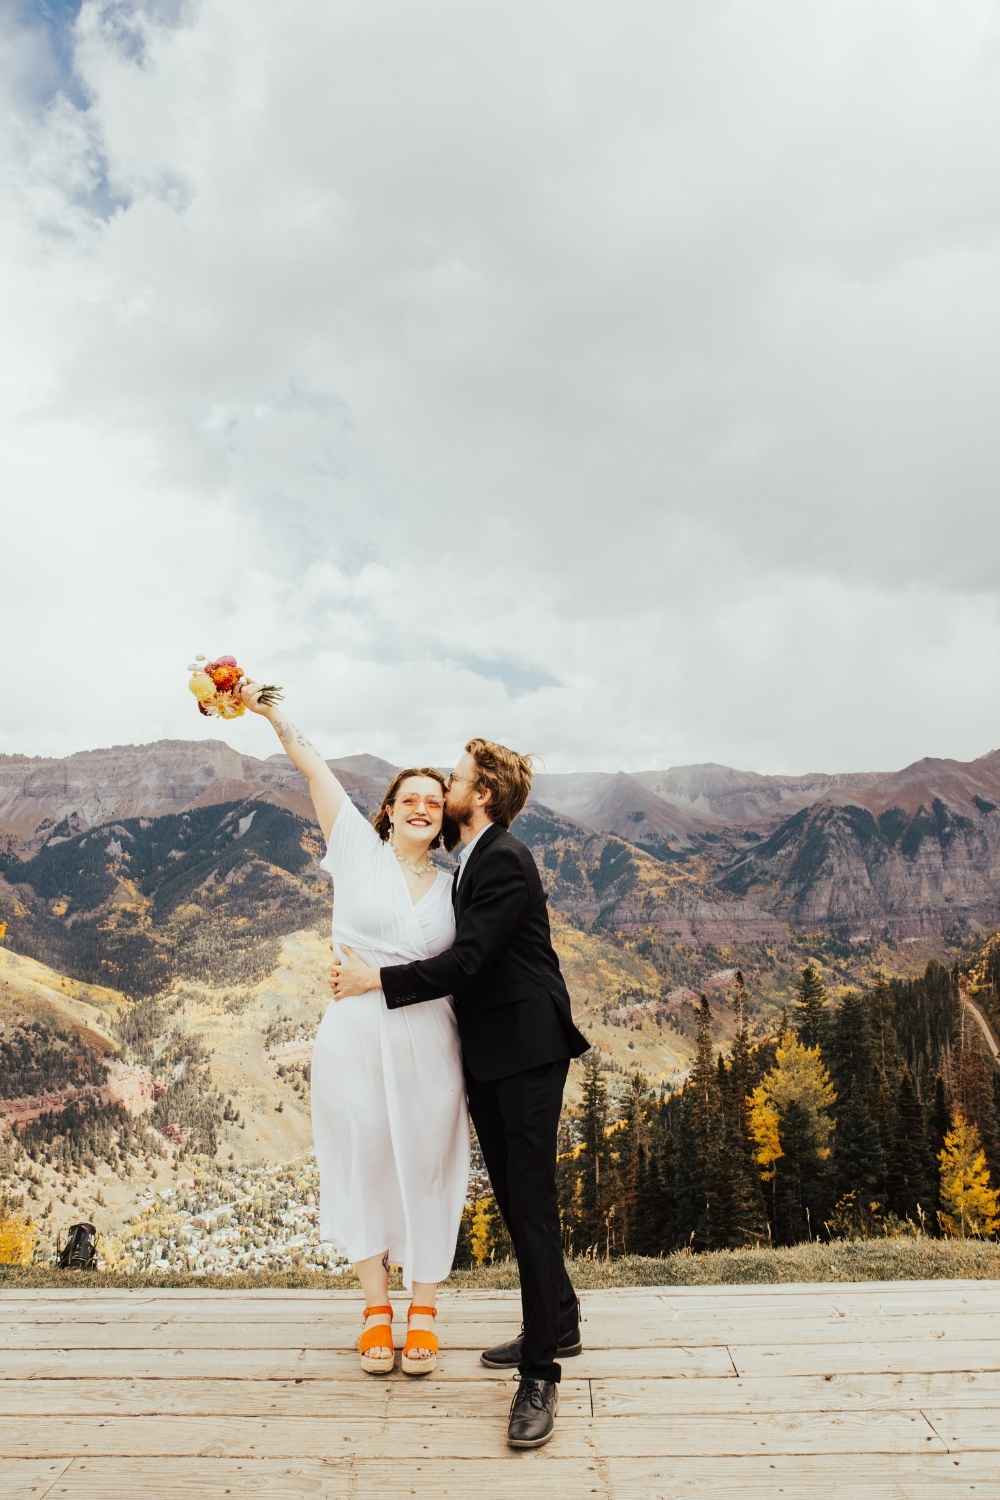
(419, 1338)
(378, 1334)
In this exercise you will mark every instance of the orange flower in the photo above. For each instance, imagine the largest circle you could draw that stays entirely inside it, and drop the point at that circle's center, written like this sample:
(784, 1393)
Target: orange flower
(225, 678)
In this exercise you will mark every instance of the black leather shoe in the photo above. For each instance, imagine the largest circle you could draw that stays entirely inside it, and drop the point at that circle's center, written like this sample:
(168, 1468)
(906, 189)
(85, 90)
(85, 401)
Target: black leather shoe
(532, 1412)
(506, 1356)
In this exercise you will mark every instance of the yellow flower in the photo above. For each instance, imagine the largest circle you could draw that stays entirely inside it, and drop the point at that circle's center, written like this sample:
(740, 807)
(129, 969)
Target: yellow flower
(229, 708)
(202, 686)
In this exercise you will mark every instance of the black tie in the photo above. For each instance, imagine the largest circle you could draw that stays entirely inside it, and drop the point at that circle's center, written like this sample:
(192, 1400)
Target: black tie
(454, 885)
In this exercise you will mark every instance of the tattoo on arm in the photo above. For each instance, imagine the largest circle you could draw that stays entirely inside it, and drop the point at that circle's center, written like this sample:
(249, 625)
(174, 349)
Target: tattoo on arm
(289, 735)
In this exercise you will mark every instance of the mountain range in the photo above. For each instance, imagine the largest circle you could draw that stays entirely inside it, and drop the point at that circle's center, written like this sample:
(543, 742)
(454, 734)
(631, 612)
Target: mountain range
(699, 853)
(164, 930)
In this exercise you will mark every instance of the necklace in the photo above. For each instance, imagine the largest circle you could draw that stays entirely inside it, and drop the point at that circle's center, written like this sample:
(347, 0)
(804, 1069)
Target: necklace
(418, 866)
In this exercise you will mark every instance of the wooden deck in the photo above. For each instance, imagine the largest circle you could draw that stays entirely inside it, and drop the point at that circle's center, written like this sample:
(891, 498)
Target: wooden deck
(875, 1389)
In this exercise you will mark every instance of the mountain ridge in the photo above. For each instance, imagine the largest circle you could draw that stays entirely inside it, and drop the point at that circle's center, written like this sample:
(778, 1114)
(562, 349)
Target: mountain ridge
(703, 855)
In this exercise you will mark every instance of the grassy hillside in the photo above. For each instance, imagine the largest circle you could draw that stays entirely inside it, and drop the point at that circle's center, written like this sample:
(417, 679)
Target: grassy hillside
(914, 1259)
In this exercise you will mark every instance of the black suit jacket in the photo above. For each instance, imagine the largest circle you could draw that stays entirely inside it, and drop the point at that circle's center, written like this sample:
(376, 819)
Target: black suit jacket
(511, 1001)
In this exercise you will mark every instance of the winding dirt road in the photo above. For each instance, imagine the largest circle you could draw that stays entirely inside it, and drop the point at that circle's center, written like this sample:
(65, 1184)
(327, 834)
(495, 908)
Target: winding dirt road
(982, 1023)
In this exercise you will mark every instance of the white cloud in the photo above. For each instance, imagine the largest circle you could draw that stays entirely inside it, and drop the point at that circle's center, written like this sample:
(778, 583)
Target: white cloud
(648, 350)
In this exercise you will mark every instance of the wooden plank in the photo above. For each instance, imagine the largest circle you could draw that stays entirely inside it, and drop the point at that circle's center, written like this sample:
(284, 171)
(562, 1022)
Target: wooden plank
(605, 1332)
(885, 1477)
(227, 1305)
(98, 1304)
(30, 1478)
(809, 1288)
(295, 1364)
(269, 1437)
(966, 1388)
(205, 1479)
(312, 1479)
(853, 1305)
(849, 1432)
(861, 1358)
(360, 1396)
(338, 1315)
(310, 1437)
(967, 1430)
(926, 1476)
(787, 1291)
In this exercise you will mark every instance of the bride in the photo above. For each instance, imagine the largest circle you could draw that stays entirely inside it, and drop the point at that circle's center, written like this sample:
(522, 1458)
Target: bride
(389, 1115)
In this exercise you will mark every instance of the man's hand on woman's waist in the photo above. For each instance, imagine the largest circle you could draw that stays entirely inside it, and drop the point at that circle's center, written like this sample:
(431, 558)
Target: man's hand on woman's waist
(352, 976)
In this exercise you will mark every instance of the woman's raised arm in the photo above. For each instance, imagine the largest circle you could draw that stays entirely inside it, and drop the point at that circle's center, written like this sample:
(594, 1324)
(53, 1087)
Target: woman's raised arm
(325, 790)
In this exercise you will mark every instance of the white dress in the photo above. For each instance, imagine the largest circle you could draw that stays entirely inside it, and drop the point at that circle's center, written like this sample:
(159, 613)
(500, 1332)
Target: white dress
(389, 1114)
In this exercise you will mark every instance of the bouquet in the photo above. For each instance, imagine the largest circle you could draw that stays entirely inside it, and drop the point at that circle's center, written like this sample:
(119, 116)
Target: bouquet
(216, 685)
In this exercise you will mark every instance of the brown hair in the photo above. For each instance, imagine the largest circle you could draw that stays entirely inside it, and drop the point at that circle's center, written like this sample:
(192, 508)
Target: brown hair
(505, 775)
(381, 821)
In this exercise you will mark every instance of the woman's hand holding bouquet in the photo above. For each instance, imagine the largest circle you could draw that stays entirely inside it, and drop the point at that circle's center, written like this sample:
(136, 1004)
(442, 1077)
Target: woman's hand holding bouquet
(223, 690)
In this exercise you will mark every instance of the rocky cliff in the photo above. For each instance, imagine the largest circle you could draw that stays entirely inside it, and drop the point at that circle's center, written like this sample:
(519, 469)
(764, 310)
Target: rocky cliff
(701, 855)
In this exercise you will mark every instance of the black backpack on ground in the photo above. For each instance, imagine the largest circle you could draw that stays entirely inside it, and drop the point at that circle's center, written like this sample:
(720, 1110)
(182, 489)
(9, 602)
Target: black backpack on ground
(80, 1250)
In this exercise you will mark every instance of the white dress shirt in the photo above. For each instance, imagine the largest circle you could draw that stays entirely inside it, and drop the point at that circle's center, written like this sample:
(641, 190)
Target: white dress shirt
(466, 851)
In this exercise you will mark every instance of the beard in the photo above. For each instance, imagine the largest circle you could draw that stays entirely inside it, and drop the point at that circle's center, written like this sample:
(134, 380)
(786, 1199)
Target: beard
(455, 819)
(451, 832)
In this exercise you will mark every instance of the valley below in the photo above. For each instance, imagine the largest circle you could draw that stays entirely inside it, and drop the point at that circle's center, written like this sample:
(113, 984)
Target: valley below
(166, 941)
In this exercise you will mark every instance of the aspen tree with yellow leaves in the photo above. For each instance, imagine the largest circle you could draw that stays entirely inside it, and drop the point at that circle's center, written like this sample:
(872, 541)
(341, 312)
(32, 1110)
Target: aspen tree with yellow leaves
(799, 1077)
(481, 1231)
(17, 1240)
(792, 1127)
(969, 1205)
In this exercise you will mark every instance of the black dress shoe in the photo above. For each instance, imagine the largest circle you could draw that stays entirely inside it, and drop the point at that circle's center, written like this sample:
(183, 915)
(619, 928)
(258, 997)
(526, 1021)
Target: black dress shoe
(505, 1356)
(532, 1412)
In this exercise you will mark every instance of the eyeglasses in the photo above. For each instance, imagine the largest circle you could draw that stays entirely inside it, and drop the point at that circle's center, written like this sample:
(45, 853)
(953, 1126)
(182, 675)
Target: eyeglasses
(432, 804)
(452, 778)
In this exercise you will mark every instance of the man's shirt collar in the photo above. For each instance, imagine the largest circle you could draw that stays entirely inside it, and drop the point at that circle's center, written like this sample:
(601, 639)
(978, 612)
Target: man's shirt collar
(467, 849)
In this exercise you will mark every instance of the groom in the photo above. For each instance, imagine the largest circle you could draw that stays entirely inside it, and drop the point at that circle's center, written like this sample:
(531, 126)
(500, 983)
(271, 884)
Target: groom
(517, 1035)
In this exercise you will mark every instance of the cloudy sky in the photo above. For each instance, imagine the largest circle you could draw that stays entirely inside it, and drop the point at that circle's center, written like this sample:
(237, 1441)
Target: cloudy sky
(617, 381)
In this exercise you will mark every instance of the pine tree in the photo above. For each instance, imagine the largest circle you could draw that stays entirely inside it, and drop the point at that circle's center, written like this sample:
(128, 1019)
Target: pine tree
(910, 1179)
(940, 1119)
(747, 1221)
(594, 1161)
(706, 1122)
(633, 1162)
(862, 1114)
(971, 1205)
(810, 1003)
(657, 1227)
(800, 1182)
(686, 1169)
(741, 1061)
(850, 1048)
(859, 1160)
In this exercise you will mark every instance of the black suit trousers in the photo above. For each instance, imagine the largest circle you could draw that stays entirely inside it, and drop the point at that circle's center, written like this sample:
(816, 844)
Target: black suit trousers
(517, 1120)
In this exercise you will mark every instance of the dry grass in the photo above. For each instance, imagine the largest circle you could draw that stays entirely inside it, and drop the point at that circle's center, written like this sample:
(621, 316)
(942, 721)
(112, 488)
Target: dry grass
(916, 1259)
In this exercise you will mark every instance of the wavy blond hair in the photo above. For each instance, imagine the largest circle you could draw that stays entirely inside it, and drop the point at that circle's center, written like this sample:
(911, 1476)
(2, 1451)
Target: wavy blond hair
(505, 774)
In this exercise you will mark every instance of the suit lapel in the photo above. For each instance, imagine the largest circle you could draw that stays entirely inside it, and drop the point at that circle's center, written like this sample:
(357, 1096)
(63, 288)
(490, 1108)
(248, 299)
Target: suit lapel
(484, 842)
